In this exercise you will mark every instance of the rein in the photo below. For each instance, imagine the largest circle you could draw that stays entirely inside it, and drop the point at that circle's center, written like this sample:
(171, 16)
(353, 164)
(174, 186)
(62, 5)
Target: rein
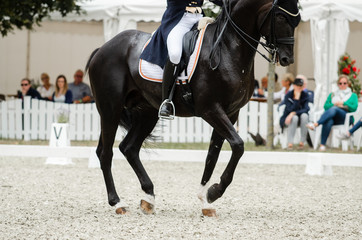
(269, 46)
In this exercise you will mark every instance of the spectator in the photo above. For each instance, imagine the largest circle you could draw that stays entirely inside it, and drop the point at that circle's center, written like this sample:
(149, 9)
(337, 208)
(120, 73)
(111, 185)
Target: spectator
(336, 107)
(81, 91)
(347, 134)
(305, 89)
(27, 90)
(287, 83)
(256, 88)
(296, 113)
(263, 90)
(46, 90)
(278, 95)
(62, 94)
(277, 86)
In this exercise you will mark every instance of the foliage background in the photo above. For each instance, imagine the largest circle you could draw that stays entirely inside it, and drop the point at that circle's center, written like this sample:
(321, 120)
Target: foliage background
(346, 65)
(27, 13)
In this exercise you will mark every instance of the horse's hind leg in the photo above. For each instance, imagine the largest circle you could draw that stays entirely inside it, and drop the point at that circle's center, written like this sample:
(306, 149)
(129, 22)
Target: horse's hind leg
(105, 155)
(225, 130)
(143, 122)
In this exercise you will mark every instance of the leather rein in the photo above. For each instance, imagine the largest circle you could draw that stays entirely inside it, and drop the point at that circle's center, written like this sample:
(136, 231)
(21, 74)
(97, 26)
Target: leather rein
(269, 46)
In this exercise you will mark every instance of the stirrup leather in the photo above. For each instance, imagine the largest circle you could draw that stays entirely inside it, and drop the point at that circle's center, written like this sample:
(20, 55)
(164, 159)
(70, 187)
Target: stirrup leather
(172, 115)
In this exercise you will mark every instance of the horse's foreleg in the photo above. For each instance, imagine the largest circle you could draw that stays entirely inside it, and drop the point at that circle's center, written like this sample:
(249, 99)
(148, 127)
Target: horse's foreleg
(142, 125)
(224, 127)
(216, 143)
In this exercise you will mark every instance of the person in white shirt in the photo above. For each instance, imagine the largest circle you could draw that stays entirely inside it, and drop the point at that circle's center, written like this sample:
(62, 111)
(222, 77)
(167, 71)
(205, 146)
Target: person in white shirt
(287, 83)
(46, 90)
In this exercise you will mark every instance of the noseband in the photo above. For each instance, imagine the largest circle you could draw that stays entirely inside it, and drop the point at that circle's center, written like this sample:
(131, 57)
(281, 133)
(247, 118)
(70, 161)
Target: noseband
(271, 45)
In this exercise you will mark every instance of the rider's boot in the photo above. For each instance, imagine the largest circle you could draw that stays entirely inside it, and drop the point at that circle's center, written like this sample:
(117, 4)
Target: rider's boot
(167, 109)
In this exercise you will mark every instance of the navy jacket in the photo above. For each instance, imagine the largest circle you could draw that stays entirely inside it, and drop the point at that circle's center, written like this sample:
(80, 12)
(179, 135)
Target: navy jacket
(291, 105)
(156, 50)
(310, 95)
(31, 92)
(68, 97)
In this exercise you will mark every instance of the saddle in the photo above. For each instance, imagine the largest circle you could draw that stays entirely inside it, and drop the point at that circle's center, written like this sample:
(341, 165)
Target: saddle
(188, 47)
(192, 42)
(189, 42)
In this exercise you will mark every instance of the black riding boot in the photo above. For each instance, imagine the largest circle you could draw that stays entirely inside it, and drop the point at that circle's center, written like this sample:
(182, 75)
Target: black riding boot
(169, 76)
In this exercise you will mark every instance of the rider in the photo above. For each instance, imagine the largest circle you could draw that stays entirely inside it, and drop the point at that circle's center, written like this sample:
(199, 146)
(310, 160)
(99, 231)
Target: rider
(165, 47)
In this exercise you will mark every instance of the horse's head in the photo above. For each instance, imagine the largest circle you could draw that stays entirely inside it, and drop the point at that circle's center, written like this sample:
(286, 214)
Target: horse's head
(277, 25)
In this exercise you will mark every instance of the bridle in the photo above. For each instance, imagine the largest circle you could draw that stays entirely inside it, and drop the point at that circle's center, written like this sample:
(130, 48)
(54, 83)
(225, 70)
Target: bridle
(271, 45)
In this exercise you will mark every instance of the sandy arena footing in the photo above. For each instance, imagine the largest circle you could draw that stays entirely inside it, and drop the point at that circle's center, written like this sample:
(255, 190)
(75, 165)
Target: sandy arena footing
(40, 201)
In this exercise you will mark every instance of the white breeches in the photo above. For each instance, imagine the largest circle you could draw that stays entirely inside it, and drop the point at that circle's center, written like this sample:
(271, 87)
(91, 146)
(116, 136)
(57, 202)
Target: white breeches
(174, 39)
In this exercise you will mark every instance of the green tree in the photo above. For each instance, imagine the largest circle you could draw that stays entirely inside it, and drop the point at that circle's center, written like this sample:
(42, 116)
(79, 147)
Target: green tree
(27, 13)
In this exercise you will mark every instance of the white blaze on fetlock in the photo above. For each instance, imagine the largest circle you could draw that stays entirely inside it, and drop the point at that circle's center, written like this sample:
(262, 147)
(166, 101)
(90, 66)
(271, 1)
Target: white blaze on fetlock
(121, 208)
(207, 209)
(202, 195)
(148, 204)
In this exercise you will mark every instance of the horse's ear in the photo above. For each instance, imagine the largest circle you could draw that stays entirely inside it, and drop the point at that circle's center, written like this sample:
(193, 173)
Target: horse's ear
(263, 19)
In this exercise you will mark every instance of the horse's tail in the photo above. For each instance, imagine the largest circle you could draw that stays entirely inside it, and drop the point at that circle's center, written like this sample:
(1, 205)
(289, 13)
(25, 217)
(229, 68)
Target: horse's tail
(90, 58)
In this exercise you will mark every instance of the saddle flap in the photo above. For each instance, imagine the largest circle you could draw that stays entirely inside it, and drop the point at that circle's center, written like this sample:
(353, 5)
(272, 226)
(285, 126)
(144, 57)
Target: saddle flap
(188, 46)
(153, 72)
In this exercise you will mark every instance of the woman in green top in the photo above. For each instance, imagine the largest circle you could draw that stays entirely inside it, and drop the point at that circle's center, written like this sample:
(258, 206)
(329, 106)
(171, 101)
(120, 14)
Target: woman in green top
(338, 104)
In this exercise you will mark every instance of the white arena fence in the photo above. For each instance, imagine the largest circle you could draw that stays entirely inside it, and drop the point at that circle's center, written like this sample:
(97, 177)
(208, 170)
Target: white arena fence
(31, 119)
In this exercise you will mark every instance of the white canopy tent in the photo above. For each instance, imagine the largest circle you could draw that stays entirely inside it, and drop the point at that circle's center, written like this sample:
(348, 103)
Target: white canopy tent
(329, 27)
(329, 21)
(118, 15)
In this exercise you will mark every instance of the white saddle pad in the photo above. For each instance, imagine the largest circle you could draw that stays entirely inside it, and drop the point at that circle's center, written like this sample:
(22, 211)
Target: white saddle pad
(154, 73)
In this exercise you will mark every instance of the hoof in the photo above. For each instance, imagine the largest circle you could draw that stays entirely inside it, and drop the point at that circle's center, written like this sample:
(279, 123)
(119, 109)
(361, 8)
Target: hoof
(209, 212)
(146, 207)
(122, 210)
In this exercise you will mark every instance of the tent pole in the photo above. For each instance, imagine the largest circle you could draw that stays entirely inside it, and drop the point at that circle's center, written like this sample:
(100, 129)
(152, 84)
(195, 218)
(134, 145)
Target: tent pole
(271, 84)
(329, 80)
(28, 55)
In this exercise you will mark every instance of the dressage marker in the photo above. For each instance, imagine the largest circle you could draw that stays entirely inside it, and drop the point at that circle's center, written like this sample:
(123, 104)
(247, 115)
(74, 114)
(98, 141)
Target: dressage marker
(59, 137)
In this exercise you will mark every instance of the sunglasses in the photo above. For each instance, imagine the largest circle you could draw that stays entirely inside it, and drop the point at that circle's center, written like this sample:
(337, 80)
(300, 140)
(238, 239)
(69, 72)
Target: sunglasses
(79, 76)
(342, 83)
(24, 84)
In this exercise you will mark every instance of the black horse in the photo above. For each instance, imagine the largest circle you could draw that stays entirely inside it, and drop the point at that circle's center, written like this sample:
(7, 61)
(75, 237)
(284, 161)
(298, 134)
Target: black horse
(222, 83)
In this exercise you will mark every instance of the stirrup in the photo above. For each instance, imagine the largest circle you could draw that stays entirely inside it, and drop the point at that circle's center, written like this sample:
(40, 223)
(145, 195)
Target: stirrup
(171, 116)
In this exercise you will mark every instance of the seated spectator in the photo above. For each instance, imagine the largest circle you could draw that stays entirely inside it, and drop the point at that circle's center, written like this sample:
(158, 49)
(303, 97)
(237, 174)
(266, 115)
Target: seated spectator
(296, 113)
(278, 95)
(287, 83)
(47, 89)
(27, 90)
(277, 86)
(81, 91)
(256, 88)
(305, 89)
(348, 134)
(62, 94)
(263, 90)
(337, 105)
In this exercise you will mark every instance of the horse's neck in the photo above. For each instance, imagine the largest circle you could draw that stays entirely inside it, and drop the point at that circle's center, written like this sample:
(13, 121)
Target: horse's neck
(238, 47)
